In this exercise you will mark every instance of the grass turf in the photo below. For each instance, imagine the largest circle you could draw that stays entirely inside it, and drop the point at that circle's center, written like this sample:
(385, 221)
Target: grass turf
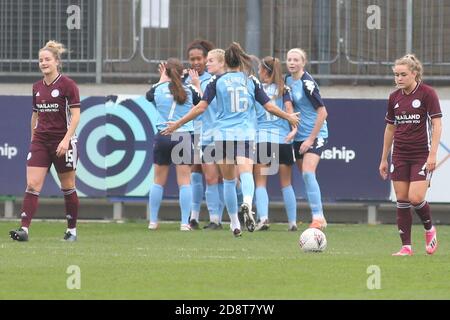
(127, 261)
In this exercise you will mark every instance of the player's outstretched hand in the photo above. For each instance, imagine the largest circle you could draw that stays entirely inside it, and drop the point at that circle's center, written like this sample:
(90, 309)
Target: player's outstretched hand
(294, 119)
(171, 127)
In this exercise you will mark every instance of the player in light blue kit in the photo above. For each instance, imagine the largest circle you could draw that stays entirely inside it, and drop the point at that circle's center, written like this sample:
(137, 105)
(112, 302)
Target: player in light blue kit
(214, 181)
(197, 75)
(173, 100)
(236, 93)
(312, 132)
(274, 145)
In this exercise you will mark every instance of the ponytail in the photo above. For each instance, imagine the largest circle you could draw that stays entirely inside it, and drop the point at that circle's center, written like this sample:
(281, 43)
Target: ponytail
(174, 70)
(235, 57)
(273, 67)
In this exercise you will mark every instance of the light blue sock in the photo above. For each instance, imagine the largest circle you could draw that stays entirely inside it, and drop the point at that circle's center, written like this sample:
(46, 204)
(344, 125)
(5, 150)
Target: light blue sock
(197, 191)
(313, 194)
(154, 201)
(240, 197)
(185, 195)
(212, 199)
(248, 187)
(222, 201)
(262, 203)
(290, 203)
(229, 193)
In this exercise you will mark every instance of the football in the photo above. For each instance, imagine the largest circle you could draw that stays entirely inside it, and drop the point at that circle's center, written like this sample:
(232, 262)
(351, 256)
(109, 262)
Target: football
(312, 240)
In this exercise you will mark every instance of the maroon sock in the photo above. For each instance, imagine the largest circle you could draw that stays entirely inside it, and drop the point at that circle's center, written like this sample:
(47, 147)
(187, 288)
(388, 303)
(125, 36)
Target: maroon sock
(404, 221)
(72, 203)
(424, 213)
(29, 207)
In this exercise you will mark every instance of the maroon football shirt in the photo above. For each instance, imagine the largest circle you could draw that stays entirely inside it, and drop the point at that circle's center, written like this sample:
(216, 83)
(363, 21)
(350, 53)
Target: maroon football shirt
(411, 114)
(52, 103)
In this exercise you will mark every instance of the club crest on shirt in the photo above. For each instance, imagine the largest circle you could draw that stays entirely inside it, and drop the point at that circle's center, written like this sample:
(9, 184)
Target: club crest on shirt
(416, 103)
(55, 93)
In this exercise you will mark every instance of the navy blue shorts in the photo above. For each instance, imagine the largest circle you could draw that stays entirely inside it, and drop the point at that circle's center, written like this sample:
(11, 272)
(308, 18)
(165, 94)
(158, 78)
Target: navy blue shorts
(316, 148)
(178, 151)
(268, 153)
(231, 149)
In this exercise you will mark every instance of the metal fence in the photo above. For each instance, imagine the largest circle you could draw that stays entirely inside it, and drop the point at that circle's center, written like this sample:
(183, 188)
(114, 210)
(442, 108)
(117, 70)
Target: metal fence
(125, 39)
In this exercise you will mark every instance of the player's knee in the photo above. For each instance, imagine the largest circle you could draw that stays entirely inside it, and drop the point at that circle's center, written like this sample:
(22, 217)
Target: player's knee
(415, 199)
(33, 186)
(211, 179)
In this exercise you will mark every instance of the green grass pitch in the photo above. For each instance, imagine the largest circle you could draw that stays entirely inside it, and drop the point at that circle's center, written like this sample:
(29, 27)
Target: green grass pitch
(127, 261)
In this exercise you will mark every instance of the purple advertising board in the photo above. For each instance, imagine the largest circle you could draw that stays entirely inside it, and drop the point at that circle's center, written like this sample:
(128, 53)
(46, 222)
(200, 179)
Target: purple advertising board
(115, 148)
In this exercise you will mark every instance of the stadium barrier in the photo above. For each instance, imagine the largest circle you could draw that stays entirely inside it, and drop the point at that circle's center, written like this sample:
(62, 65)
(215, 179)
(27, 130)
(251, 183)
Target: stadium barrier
(115, 146)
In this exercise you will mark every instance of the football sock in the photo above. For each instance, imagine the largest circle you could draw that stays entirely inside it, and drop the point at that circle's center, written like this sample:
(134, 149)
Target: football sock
(71, 203)
(222, 201)
(197, 193)
(155, 198)
(424, 213)
(248, 188)
(290, 203)
(262, 203)
(404, 221)
(313, 194)
(229, 192)
(29, 207)
(235, 224)
(212, 199)
(185, 194)
(239, 195)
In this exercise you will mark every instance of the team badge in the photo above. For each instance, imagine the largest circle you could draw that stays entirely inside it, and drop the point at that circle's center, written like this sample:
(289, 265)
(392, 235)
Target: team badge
(55, 93)
(416, 103)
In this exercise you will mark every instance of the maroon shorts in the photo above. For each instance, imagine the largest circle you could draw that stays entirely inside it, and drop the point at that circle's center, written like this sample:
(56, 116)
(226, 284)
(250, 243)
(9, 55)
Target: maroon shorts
(43, 154)
(410, 170)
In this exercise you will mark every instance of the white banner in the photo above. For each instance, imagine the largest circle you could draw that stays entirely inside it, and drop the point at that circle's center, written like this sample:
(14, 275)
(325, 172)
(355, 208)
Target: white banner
(155, 13)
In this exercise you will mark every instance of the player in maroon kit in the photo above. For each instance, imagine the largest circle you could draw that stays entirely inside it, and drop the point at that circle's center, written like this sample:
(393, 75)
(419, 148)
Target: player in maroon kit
(56, 113)
(413, 125)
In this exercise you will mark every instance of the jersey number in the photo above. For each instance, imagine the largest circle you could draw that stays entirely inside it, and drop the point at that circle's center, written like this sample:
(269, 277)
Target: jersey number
(238, 104)
(69, 156)
(269, 116)
(172, 110)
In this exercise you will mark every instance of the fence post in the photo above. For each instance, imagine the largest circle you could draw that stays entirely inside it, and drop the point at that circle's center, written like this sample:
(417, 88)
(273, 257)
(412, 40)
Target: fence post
(9, 208)
(99, 42)
(372, 214)
(253, 27)
(409, 25)
(117, 210)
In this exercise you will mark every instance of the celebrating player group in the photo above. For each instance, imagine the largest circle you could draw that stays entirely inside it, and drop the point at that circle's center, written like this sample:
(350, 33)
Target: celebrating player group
(232, 119)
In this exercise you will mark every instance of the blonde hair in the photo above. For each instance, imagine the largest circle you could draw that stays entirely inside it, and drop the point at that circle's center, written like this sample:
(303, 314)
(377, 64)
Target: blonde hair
(414, 65)
(57, 49)
(301, 52)
(219, 54)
